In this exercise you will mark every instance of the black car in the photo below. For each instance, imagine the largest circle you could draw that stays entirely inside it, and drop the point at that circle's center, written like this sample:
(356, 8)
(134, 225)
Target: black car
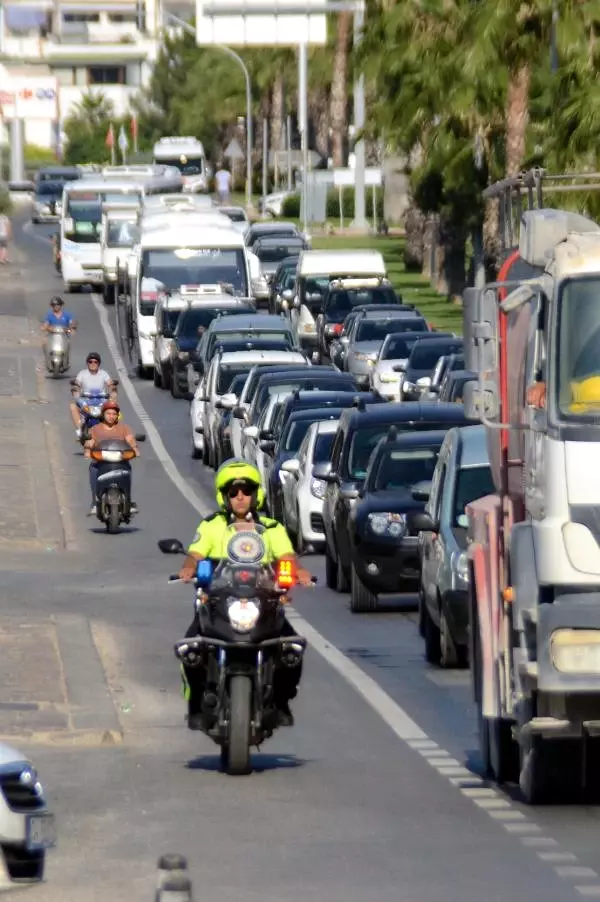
(340, 301)
(185, 338)
(283, 279)
(359, 432)
(384, 545)
(270, 230)
(311, 378)
(453, 386)
(446, 364)
(421, 363)
(47, 203)
(282, 443)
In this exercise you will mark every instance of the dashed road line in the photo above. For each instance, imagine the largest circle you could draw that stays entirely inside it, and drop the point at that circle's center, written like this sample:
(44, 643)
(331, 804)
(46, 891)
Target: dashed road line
(469, 784)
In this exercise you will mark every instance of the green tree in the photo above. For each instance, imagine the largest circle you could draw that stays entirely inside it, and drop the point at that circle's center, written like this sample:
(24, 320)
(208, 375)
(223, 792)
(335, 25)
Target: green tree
(86, 129)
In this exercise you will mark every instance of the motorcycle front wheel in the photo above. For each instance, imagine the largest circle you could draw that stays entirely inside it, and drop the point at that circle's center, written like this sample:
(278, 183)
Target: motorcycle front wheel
(237, 752)
(113, 515)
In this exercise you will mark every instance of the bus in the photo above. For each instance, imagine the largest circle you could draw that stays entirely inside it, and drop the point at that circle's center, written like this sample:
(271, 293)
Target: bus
(81, 217)
(187, 154)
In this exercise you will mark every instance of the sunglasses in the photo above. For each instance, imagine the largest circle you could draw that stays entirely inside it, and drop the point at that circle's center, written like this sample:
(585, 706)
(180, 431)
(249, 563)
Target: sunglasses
(245, 489)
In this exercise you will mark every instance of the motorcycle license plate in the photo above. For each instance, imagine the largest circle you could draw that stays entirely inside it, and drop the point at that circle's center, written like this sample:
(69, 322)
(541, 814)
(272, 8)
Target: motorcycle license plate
(40, 832)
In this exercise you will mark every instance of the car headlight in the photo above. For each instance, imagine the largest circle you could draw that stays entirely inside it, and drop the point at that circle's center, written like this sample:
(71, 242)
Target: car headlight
(389, 377)
(390, 524)
(29, 778)
(369, 358)
(317, 488)
(460, 566)
(183, 355)
(243, 614)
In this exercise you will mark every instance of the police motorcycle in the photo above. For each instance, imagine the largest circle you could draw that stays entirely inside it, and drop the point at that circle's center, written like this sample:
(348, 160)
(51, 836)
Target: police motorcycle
(90, 407)
(239, 606)
(57, 350)
(113, 506)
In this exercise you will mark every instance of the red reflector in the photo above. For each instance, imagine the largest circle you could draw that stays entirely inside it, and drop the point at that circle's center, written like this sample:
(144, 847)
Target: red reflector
(337, 328)
(286, 574)
(148, 296)
(244, 576)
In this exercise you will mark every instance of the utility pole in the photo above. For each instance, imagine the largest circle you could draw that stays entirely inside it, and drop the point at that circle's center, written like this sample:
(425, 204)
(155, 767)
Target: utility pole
(360, 219)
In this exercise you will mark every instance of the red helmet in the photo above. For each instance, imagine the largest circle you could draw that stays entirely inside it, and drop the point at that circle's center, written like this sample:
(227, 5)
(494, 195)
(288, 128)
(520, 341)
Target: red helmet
(110, 405)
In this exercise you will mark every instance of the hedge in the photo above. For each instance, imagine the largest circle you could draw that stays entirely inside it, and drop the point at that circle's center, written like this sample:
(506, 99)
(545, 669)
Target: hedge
(291, 204)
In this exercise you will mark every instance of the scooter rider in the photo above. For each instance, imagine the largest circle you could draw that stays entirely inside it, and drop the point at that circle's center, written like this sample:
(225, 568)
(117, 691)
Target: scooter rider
(88, 381)
(239, 496)
(57, 316)
(110, 428)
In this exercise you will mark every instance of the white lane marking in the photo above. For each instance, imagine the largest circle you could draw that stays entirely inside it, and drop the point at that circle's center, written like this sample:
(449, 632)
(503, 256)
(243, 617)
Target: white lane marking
(591, 891)
(390, 712)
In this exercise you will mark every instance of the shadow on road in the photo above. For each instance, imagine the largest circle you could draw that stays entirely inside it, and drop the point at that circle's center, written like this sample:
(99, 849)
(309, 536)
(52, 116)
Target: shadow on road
(259, 763)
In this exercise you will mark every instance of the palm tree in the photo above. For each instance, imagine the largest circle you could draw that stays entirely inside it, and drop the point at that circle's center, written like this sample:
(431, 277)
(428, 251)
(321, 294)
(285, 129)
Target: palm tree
(338, 110)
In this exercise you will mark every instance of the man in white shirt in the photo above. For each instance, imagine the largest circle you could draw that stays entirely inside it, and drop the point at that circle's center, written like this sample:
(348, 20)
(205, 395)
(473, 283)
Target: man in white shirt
(92, 380)
(223, 185)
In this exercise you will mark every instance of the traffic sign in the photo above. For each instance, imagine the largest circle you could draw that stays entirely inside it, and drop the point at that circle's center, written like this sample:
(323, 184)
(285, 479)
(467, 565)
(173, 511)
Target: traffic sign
(234, 151)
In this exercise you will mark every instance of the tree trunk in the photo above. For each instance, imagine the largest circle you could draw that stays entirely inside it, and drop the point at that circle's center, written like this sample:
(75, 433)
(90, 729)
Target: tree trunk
(277, 119)
(339, 90)
(319, 116)
(517, 119)
(414, 227)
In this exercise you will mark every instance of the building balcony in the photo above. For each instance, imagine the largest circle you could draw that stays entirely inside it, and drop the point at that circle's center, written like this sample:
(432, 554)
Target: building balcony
(77, 50)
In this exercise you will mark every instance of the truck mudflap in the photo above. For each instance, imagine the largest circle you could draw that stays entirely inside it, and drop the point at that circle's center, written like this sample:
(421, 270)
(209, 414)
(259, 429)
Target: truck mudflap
(568, 645)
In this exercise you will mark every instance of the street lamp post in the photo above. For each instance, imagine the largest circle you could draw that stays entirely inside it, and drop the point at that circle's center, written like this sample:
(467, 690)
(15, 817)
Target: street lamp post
(231, 53)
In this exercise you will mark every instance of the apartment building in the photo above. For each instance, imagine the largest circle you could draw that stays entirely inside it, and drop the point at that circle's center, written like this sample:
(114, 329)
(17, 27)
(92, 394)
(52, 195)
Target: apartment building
(52, 52)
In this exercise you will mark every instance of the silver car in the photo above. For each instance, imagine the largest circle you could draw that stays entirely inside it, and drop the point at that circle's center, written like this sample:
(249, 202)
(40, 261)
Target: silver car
(368, 334)
(386, 372)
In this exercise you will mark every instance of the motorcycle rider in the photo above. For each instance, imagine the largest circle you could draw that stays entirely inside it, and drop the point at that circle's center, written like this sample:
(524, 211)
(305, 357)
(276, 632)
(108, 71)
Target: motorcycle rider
(57, 316)
(88, 381)
(239, 496)
(109, 428)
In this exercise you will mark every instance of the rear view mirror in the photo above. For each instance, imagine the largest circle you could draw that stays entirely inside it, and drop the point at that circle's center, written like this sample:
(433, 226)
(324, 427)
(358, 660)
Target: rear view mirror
(422, 522)
(171, 546)
(323, 471)
(290, 466)
(239, 413)
(251, 431)
(421, 491)
(267, 445)
(228, 401)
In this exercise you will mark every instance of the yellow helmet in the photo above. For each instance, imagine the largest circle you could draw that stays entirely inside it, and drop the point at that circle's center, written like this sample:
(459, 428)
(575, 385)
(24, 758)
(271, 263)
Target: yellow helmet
(233, 470)
(585, 393)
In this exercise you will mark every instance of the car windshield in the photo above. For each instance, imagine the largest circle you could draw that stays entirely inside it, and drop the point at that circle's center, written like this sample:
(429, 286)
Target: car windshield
(227, 373)
(398, 348)
(404, 468)
(323, 446)
(236, 215)
(170, 318)
(84, 208)
(237, 386)
(121, 233)
(197, 266)
(319, 383)
(578, 359)
(200, 318)
(191, 166)
(271, 254)
(471, 483)
(425, 356)
(364, 440)
(341, 301)
(377, 329)
(294, 434)
(51, 189)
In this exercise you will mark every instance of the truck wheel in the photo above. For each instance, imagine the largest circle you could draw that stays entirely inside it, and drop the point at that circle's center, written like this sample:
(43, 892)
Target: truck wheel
(550, 770)
(504, 751)
(362, 600)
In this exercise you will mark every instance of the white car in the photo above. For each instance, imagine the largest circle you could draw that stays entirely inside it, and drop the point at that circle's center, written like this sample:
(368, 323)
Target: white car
(27, 827)
(254, 435)
(272, 358)
(387, 372)
(302, 493)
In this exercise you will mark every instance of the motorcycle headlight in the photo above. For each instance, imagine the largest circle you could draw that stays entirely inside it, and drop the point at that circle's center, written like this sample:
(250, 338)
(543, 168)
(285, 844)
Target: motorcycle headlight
(317, 488)
(243, 614)
(95, 411)
(460, 566)
(393, 525)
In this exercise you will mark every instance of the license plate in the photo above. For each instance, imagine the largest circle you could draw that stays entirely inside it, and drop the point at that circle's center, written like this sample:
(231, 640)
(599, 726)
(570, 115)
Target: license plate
(40, 832)
(94, 273)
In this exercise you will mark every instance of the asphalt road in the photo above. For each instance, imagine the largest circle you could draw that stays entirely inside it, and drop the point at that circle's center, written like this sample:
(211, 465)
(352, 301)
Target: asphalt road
(374, 794)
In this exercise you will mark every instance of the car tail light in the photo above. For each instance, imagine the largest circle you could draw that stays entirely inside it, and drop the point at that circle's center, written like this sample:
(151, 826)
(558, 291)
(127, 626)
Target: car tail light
(148, 296)
(286, 574)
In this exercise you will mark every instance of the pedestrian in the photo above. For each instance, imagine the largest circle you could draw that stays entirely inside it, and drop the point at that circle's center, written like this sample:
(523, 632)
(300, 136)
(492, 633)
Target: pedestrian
(223, 184)
(5, 236)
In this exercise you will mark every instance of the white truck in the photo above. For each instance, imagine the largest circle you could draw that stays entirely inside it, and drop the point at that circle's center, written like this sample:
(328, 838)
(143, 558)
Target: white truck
(187, 155)
(119, 232)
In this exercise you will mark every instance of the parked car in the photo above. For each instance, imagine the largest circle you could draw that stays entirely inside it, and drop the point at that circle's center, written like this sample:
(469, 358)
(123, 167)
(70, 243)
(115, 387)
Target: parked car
(360, 430)
(422, 361)
(462, 475)
(384, 544)
(302, 493)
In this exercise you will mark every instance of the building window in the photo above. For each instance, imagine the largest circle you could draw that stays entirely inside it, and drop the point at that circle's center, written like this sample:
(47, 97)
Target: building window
(107, 75)
(81, 17)
(120, 18)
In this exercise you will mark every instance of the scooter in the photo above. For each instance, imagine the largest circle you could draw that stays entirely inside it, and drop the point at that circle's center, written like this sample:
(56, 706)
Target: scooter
(112, 458)
(90, 407)
(57, 350)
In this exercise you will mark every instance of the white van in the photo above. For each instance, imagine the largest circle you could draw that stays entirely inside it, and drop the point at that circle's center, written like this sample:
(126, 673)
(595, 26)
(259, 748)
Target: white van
(187, 155)
(120, 231)
(178, 253)
(315, 271)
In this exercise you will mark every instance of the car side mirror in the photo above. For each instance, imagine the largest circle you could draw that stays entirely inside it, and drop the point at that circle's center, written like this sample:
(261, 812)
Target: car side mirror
(287, 294)
(351, 493)
(189, 396)
(239, 413)
(422, 522)
(296, 303)
(171, 546)
(399, 368)
(291, 466)
(421, 491)
(267, 445)
(266, 435)
(251, 431)
(323, 471)
(228, 401)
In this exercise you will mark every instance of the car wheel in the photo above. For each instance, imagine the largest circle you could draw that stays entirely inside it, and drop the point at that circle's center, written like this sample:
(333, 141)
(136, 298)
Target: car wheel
(157, 378)
(433, 649)
(362, 600)
(175, 389)
(341, 583)
(299, 538)
(330, 570)
(451, 654)
(422, 604)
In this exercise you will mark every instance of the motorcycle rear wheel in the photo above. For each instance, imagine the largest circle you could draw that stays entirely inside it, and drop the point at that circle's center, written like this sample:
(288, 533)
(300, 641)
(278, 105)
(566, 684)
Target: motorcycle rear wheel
(238, 745)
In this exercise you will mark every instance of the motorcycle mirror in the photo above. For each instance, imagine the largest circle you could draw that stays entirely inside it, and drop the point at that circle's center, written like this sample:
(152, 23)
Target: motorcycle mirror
(73, 382)
(140, 437)
(115, 381)
(171, 546)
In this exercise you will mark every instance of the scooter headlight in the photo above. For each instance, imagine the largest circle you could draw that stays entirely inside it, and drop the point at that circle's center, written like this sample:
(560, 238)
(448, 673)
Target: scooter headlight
(94, 411)
(243, 614)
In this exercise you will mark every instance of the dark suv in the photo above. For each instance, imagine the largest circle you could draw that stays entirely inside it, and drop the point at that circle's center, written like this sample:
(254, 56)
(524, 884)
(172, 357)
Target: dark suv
(359, 432)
